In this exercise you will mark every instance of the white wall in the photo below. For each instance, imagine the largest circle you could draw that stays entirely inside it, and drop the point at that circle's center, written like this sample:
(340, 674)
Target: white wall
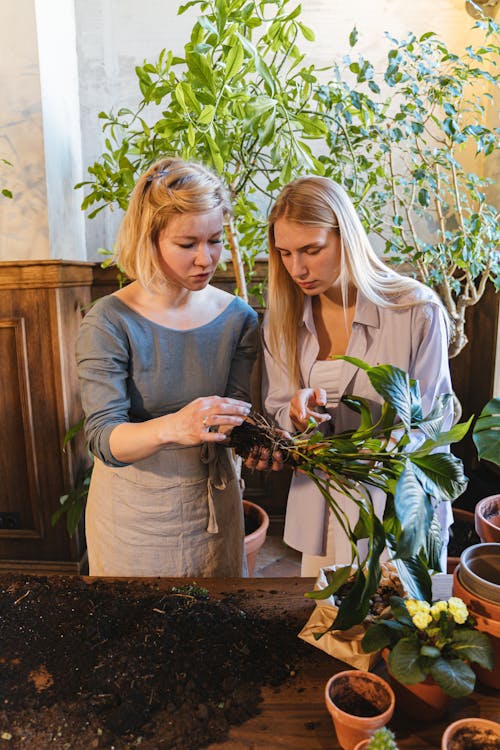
(23, 220)
(61, 126)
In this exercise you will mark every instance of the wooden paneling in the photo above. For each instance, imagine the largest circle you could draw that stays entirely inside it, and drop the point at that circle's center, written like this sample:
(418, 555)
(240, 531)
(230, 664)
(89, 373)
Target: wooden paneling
(40, 312)
(19, 493)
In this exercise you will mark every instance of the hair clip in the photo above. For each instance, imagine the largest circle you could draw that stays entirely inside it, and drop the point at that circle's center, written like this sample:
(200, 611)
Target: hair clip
(159, 173)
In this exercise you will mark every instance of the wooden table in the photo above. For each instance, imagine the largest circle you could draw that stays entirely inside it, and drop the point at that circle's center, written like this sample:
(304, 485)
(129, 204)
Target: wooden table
(294, 716)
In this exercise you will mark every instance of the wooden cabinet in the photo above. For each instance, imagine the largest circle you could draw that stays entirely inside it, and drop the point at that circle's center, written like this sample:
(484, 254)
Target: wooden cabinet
(41, 306)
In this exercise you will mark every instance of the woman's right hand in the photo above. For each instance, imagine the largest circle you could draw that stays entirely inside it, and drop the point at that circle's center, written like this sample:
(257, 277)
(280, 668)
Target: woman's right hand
(304, 406)
(207, 419)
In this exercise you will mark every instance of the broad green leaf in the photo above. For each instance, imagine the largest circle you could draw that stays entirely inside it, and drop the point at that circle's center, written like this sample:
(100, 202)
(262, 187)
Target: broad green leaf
(486, 432)
(201, 70)
(455, 677)
(362, 407)
(414, 511)
(414, 575)
(432, 423)
(434, 544)
(445, 471)
(399, 611)
(454, 435)
(355, 605)
(393, 384)
(474, 646)
(390, 382)
(7, 193)
(404, 661)
(376, 637)
(336, 579)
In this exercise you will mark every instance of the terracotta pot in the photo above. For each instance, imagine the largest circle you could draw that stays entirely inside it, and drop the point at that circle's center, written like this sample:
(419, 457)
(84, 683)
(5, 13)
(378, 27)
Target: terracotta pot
(422, 699)
(487, 518)
(471, 734)
(462, 534)
(359, 702)
(487, 615)
(257, 519)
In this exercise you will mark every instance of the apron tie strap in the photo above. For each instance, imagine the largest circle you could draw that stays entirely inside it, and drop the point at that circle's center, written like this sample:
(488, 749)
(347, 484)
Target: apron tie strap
(219, 475)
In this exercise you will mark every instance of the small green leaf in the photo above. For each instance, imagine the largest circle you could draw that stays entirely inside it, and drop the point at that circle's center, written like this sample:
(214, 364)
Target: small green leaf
(353, 37)
(234, 60)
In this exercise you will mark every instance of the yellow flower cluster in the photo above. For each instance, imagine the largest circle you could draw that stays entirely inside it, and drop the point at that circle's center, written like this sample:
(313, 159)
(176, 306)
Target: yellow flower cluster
(422, 614)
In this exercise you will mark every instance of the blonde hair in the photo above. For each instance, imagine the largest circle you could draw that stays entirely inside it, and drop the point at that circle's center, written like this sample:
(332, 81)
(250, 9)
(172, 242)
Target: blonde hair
(169, 187)
(320, 202)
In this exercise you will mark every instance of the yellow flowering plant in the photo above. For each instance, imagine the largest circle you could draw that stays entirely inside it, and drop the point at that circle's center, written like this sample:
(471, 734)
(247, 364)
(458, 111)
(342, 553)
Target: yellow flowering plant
(438, 640)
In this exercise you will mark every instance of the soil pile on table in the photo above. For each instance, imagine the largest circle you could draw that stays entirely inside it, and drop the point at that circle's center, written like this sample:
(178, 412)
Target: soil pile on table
(116, 665)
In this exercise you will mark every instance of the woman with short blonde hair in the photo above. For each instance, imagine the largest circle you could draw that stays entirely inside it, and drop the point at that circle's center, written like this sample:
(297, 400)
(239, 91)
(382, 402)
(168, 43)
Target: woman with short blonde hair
(165, 366)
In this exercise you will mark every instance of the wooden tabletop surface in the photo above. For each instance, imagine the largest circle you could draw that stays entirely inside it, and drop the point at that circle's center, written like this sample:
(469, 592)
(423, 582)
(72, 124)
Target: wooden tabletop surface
(294, 715)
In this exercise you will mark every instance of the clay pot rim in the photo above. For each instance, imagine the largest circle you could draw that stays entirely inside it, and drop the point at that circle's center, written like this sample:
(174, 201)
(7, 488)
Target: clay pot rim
(262, 513)
(474, 721)
(492, 623)
(362, 674)
(484, 589)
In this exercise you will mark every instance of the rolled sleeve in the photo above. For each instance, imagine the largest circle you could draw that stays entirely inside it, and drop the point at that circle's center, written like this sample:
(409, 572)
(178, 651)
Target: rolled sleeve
(102, 357)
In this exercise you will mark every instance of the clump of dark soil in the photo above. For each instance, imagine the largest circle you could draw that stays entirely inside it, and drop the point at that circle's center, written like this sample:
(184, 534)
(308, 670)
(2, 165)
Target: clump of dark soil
(108, 664)
(472, 738)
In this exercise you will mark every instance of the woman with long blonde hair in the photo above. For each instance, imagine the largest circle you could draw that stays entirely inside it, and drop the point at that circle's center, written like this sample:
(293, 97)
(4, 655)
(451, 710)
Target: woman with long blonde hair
(163, 364)
(330, 294)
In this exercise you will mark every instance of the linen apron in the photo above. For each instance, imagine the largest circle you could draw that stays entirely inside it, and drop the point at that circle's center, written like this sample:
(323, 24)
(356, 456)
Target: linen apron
(176, 513)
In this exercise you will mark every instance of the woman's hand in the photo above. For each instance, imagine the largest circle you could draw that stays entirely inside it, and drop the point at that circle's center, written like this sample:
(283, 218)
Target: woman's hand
(304, 405)
(207, 419)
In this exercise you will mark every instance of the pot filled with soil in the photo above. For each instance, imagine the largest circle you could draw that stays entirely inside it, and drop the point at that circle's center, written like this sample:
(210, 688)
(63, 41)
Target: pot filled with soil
(359, 702)
(471, 734)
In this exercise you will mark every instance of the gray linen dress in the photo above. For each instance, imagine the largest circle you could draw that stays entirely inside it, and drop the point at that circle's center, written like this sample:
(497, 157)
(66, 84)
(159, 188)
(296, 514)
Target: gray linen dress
(178, 512)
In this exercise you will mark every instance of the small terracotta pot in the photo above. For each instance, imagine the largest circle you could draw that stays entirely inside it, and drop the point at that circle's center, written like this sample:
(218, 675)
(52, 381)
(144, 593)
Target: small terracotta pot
(254, 540)
(487, 615)
(462, 734)
(422, 699)
(487, 518)
(359, 702)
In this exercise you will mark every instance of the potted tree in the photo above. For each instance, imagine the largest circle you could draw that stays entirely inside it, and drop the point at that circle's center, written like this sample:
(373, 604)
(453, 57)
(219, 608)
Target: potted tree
(243, 100)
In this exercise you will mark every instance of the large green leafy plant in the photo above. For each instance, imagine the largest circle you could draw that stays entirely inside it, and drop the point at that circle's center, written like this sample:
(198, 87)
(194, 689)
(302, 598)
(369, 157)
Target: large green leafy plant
(243, 99)
(405, 467)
